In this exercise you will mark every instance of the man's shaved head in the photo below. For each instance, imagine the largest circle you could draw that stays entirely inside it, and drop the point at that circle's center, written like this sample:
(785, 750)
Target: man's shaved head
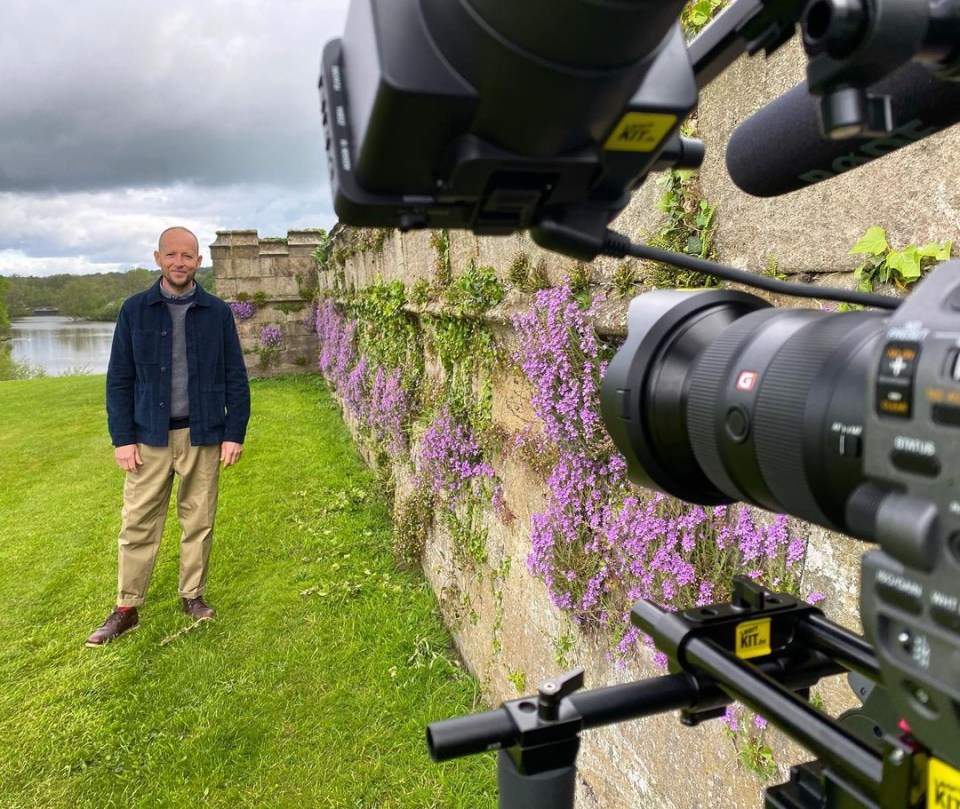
(180, 230)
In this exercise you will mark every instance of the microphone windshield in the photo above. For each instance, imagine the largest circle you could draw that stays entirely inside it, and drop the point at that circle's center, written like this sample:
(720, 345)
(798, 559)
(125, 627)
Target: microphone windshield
(781, 148)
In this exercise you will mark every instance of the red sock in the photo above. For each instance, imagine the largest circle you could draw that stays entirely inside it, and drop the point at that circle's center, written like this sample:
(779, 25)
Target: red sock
(124, 609)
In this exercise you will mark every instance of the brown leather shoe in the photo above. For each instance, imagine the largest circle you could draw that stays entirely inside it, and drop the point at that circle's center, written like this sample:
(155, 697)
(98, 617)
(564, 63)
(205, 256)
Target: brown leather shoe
(198, 609)
(117, 623)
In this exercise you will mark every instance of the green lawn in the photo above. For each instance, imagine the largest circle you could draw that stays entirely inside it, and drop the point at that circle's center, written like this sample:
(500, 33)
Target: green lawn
(312, 687)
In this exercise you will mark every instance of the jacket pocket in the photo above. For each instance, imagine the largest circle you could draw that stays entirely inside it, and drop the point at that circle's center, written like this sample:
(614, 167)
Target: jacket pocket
(214, 404)
(146, 346)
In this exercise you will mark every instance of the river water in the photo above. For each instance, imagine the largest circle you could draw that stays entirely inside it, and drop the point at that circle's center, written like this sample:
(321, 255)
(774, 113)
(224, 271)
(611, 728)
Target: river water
(60, 345)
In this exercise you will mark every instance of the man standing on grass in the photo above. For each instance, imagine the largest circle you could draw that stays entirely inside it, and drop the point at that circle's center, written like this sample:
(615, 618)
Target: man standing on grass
(178, 402)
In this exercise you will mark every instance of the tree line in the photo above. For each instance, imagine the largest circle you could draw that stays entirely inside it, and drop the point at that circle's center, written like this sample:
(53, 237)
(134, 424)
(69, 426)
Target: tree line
(90, 297)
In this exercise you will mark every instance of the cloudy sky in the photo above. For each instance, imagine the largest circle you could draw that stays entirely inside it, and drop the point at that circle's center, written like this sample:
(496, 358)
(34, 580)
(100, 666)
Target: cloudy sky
(118, 119)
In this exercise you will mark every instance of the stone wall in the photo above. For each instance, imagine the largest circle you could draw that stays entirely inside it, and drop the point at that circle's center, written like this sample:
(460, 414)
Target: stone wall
(504, 625)
(277, 277)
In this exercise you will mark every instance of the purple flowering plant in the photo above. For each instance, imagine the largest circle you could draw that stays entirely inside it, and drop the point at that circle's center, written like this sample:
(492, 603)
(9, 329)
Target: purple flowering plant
(390, 407)
(450, 463)
(271, 337)
(747, 732)
(269, 345)
(600, 543)
(337, 353)
(449, 460)
(375, 395)
(243, 310)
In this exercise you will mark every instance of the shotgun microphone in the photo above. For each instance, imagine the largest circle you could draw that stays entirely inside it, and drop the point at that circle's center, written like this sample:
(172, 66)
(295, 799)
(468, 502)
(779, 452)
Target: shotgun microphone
(781, 148)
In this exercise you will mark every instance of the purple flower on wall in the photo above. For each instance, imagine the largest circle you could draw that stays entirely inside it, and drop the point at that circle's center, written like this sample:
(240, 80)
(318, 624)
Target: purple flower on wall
(356, 395)
(600, 543)
(559, 353)
(271, 337)
(449, 460)
(376, 397)
(243, 310)
(337, 350)
(389, 409)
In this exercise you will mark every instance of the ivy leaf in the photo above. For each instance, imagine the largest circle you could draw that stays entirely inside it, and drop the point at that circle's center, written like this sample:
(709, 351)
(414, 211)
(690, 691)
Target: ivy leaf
(704, 215)
(906, 263)
(873, 242)
(934, 250)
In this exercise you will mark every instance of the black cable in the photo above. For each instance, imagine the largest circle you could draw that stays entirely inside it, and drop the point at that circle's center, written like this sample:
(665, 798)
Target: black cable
(617, 245)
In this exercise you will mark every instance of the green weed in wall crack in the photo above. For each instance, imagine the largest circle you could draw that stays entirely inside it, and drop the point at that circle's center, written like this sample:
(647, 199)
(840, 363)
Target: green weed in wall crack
(420, 292)
(625, 278)
(689, 229)
(322, 252)
(579, 279)
(518, 680)
(475, 291)
(443, 273)
(527, 276)
(885, 265)
(386, 334)
(747, 732)
(465, 346)
(697, 13)
(412, 521)
(497, 581)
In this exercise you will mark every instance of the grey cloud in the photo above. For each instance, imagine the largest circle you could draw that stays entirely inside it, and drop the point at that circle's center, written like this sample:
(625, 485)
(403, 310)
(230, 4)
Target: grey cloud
(119, 118)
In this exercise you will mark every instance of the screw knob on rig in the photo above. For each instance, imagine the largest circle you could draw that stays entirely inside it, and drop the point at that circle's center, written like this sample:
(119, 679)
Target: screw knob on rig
(553, 692)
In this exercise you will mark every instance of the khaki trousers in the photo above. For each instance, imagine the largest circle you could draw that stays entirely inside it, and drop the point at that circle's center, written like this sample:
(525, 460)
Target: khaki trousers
(146, 498)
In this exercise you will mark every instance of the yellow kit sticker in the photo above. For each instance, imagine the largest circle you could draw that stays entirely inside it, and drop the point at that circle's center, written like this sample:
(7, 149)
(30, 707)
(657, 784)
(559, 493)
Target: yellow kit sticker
(640, 132)
(753, 638)
(943, 786)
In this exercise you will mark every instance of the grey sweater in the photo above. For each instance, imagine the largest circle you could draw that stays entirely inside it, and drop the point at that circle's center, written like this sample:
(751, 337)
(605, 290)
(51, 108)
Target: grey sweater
(179, 373)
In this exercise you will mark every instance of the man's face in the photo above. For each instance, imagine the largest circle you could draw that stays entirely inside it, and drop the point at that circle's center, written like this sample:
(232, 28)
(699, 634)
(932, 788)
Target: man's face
(178, 259)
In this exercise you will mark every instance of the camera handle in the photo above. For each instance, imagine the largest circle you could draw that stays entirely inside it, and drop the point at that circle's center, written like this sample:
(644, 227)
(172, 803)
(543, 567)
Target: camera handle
(538, 737)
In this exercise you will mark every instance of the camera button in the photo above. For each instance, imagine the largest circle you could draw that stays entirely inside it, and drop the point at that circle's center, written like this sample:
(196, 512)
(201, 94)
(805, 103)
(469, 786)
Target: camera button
(894, 398)
(926, 465)
(946, 617)
(953, 365)
(947, 415)
(849, 446)
(899, 360)
(900, 597)
(738, 424)
(953, 543)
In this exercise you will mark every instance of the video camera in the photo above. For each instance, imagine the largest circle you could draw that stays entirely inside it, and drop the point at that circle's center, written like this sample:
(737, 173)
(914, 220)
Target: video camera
(545, 115)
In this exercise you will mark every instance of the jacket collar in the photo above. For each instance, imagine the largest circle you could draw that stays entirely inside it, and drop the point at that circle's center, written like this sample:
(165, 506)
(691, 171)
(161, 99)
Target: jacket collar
(154, 296)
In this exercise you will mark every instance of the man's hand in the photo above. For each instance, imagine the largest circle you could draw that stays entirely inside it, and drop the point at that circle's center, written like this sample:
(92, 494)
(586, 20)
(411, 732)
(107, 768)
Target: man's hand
(230, 453)
(128, 457)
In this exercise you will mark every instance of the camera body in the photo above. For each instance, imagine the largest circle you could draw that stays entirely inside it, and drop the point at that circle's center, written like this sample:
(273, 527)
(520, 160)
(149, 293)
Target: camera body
(910, 505)
(850, 420)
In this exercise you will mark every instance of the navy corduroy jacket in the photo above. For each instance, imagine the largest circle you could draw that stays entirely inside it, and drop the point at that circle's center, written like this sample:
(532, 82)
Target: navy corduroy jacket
(138, 376)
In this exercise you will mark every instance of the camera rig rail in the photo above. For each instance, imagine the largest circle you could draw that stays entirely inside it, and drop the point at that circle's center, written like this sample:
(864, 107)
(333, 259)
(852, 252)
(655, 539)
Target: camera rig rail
(864, 760)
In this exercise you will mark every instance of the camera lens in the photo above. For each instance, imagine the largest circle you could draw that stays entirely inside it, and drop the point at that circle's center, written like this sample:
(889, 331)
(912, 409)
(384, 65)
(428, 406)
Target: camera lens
(717, 397)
